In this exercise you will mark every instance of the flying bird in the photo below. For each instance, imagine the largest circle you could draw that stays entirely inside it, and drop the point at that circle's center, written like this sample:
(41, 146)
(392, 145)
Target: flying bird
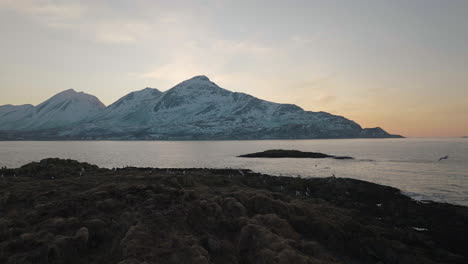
(443, 158)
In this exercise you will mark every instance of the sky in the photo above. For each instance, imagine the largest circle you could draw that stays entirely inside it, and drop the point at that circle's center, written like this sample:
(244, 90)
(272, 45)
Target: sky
(397, 64)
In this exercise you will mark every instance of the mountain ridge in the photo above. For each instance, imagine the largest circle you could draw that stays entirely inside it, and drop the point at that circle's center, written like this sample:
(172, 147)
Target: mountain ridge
(196, 108)
(64, 108)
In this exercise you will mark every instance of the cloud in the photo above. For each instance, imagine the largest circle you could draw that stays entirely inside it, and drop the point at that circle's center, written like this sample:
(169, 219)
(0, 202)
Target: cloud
(242, 47)
(121, 32)
(301, 40)
(170, 25)
(175, 71)
(207, 56)
(80, 17)
(48, 10)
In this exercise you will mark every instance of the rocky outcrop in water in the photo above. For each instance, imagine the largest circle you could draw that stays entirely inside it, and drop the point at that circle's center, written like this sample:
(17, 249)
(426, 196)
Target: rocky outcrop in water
(281, 153)
(51, 214)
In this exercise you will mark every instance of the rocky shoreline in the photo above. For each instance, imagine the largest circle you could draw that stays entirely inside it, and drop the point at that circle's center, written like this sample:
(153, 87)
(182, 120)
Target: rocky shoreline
(63, 211)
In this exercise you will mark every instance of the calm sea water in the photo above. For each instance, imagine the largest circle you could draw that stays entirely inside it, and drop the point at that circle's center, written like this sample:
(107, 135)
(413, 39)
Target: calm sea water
(409, 164)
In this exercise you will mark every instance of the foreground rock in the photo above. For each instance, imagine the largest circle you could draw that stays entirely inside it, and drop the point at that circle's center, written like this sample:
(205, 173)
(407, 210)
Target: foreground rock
(51, 214)
(281, 153)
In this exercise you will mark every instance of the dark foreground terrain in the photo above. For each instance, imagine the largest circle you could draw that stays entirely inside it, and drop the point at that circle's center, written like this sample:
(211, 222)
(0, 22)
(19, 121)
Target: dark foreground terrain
(51, 214)
(281, 153)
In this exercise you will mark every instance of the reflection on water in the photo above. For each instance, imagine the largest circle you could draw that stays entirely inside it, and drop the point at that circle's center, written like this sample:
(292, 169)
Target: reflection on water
(409, 164)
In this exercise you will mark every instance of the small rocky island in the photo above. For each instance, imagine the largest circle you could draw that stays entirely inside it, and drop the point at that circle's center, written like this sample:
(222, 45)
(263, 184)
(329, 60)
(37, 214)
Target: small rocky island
(281, 153)
(64, 211)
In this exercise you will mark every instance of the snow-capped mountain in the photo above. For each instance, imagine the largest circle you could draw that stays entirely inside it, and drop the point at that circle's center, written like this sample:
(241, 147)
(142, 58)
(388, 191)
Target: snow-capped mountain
(14, 116)
(130, 109)
(199, 109)
(62, 109)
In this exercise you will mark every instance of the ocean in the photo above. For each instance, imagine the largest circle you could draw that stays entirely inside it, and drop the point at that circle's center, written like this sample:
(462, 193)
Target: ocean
(410, 164)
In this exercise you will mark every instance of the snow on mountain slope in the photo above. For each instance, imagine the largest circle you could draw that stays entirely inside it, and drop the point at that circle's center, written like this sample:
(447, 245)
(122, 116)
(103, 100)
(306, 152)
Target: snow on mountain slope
(194, 109)
(198, 106)
(12, 116)
(199, 109)
(62, 109)
(130, 109)
(8, 109)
